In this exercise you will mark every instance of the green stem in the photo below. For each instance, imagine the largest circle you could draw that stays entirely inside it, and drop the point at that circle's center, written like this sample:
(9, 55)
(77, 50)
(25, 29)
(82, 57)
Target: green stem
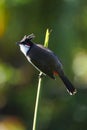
(37, 102)
(39, 85)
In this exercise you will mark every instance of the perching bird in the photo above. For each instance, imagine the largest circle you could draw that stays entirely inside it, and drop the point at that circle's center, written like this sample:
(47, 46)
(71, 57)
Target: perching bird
(43, 59)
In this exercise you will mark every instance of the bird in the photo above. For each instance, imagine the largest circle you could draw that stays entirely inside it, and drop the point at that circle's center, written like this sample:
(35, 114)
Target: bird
(44, 60)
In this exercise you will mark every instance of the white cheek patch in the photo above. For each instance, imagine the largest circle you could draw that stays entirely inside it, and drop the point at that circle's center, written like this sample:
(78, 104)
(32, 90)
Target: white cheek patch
(24, 49)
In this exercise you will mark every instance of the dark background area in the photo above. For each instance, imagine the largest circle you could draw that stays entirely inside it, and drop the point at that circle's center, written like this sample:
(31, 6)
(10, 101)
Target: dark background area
(18, 79)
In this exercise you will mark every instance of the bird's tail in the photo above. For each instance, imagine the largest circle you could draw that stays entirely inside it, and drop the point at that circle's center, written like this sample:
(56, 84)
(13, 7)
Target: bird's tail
(68, 84)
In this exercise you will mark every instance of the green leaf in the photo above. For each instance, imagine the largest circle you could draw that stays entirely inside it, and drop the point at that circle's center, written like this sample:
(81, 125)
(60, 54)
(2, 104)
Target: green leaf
(47, 37)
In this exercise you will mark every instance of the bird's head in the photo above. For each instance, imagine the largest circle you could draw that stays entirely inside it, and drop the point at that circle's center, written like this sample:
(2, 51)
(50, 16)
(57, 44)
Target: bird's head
(26, 43)
(26, 40)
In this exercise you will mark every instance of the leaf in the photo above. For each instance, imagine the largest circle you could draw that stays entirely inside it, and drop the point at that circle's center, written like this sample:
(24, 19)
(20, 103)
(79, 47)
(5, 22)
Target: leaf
(47, 37)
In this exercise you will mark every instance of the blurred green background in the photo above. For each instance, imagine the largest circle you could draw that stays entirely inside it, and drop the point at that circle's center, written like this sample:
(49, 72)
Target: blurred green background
(18, 79)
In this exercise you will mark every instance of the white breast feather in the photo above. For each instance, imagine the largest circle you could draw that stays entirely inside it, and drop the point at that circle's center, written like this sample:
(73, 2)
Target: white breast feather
(24, 49)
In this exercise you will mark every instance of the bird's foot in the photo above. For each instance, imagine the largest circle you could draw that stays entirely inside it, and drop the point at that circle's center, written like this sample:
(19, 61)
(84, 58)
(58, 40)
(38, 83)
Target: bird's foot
(41, 75)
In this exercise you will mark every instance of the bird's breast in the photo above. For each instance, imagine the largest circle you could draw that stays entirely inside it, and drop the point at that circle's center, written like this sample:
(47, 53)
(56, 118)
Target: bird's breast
(24, 49)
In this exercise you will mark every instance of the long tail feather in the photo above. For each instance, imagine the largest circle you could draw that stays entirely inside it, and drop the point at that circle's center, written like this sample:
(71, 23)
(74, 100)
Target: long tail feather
(68, 84)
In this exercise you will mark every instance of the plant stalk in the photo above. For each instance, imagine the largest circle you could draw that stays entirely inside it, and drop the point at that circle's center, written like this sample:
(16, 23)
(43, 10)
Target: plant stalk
(39, 84)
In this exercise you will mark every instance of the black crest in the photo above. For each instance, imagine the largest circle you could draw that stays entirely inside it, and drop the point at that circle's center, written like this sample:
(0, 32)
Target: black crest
(31, 36)
(27, 39)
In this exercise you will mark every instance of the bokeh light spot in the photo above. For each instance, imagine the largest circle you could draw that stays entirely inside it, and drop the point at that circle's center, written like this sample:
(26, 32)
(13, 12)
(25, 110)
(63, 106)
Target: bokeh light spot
(80, 66)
